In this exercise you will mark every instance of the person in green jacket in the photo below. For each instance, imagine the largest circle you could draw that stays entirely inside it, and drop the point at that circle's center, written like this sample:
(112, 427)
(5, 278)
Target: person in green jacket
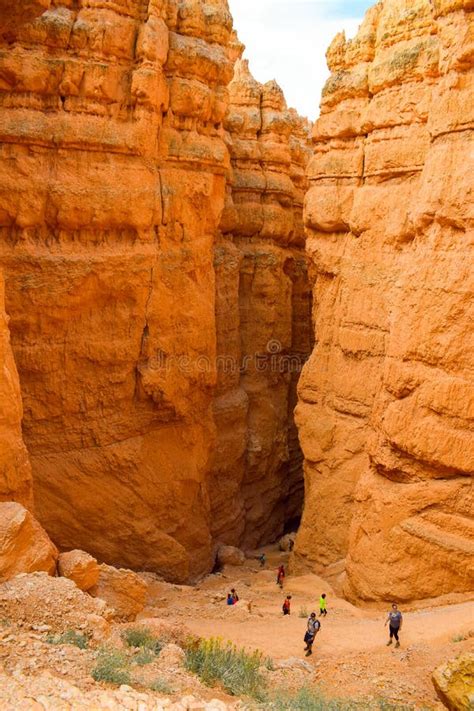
(323, 605)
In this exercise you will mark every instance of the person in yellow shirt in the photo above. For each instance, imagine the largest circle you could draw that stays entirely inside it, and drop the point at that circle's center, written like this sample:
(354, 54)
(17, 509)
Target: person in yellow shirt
(323, 605)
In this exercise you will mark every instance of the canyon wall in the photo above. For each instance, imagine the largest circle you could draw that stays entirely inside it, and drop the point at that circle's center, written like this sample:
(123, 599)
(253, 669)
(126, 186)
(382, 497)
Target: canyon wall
(134, 254)
(112, 185)
(387, 399)
(263, 317)
(15, 469)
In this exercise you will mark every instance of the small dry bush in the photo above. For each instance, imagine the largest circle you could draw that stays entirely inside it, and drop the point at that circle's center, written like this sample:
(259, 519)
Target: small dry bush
(112, 667)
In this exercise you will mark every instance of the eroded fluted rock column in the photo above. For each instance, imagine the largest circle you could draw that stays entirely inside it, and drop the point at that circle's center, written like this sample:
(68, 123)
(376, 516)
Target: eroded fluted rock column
(263, 317)
(387, 399)
(112, 182)
(15, 469)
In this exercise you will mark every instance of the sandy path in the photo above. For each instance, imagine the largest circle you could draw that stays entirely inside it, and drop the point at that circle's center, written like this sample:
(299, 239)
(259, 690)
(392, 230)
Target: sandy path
(345, 629)
(350, 654)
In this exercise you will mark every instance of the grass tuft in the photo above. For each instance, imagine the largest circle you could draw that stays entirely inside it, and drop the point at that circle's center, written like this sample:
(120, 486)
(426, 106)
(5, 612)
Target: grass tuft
(307, 699)
(143, 638)
(144, 656)
(218, 662)
(112, 667)
(161, 686)
(303, 612)
(69, 637)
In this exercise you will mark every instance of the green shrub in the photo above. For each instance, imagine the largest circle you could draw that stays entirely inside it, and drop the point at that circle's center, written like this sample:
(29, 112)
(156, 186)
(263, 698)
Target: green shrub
(161, 686)
(307, 700)
(143, 637)
(303, 612)
(269, 664)
(217, 662)
(111, 666)
(313, 700)
(144, 656)
(459, 638)
(69, 637)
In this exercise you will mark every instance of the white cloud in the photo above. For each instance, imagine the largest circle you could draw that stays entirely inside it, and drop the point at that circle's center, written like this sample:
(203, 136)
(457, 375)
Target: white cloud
(287, 40)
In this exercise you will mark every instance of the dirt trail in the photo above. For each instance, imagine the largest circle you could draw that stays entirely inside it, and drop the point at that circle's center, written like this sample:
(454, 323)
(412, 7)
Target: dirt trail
(350, 654)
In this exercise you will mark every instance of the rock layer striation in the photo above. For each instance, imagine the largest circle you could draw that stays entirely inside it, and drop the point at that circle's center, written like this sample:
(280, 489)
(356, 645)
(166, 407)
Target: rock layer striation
(112, 185)
(263, 317)
(386, 402)
(123, 283)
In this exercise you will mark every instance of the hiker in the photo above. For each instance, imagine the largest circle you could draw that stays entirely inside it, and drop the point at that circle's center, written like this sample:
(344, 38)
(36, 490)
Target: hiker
(281, 575)
(263, 559)
(287, 605)
(235, 597)
(230, 599)
(394, 620)
(314, 626)
(323, 605)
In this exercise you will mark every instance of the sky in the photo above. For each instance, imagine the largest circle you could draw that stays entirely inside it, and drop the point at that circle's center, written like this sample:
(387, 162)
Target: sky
(287, 40)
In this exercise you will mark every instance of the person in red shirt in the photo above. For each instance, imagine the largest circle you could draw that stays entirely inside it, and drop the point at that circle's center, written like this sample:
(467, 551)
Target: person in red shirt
(287, 605)
(281, 575)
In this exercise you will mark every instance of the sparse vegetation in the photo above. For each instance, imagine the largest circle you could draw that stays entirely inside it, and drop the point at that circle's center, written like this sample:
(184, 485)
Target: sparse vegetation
(269, 664)
(69, 637)
(218, 662)
(459, 638)
(307, 699)
(303, 612)
(111, 666)
(161, 686)
(144, 656)
(144, 638)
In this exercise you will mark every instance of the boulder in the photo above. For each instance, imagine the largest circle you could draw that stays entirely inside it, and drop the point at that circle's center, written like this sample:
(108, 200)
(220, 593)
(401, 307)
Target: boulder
(228, 555)
(287, 542)
(80, 567)
(454, 683)
(25, 547)
(122, 589)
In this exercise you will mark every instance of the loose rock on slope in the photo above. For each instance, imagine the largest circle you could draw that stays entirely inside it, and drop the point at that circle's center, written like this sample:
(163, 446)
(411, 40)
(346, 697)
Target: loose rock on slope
(123, 590)
(454, 682)
(80, 567)
(24, 546)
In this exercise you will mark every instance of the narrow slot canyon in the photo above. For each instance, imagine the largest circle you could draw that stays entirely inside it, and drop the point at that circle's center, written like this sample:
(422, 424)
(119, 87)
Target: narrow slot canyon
(166, 223)
(236, 357)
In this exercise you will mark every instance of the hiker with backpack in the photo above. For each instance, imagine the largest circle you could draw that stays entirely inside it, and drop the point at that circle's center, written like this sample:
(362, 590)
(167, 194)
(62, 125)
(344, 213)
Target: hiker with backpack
(314, 626)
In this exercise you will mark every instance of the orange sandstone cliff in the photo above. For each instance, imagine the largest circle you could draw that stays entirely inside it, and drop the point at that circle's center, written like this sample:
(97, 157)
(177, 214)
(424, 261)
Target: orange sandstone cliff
(112, 185)
(114, 242)
(386, 402)
(15, 469)
(263, 317)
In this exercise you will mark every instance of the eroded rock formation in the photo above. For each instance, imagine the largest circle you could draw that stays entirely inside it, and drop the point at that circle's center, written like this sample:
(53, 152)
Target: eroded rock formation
(263, 316)
(387, 399)
(112, 185)
(16, 13)
(114, 175)
(24, 545)
(15, 469)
